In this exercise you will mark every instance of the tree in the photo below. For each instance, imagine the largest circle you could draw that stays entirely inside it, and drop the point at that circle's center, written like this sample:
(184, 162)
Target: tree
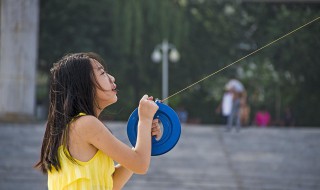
(208, 34)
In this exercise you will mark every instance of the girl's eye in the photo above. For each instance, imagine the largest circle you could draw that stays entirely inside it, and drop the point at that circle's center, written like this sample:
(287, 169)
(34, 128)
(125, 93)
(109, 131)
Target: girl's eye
(103, 72)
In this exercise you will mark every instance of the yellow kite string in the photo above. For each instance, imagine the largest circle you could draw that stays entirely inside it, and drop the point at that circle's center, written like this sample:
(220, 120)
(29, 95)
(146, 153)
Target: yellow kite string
(241, 59)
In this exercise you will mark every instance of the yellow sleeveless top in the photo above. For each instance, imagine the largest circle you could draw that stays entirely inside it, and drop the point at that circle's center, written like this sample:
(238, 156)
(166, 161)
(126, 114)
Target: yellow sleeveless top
(95, 174)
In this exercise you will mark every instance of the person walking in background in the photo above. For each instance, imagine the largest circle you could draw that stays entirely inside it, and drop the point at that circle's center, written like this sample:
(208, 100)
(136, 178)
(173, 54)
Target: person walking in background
(288, 118)
(262, 117)
(182, 114)
(225, 107)
(78, 151)
(234, 117)
(237, 91)
(230, 107)
(244, 110)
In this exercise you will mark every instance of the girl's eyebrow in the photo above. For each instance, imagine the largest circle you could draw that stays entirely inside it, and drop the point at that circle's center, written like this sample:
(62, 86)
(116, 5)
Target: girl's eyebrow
(100, 68)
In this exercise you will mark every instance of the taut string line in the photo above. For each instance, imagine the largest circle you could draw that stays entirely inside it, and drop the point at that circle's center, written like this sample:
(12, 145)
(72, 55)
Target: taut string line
(241, 59)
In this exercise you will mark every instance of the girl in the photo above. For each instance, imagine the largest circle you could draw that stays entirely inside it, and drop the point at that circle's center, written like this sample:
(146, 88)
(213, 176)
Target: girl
(78, 150)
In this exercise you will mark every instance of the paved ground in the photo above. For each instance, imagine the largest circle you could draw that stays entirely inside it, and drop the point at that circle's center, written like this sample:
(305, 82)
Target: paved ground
(205, 158)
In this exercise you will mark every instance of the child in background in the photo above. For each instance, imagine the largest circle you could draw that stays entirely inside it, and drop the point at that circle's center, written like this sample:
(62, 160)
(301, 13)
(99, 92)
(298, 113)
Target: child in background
(262, 118)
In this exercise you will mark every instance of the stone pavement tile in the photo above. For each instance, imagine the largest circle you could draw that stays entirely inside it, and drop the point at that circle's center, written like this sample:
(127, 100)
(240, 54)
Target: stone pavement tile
(20, 145)
(275, 158)
(205, 158)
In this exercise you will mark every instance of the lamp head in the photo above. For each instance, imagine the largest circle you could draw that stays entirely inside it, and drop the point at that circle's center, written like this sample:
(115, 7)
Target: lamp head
(156, 56)
(174, 55)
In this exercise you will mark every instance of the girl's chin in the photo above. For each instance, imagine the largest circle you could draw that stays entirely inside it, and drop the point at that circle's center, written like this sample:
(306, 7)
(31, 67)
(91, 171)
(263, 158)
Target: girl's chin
(114, 100)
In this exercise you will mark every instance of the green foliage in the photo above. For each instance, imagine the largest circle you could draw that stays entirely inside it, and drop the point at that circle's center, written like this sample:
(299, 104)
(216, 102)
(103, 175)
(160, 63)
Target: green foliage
(294, 58)
(209, 35)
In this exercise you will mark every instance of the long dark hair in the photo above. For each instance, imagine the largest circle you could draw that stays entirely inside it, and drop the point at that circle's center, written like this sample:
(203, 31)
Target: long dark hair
(72, 90)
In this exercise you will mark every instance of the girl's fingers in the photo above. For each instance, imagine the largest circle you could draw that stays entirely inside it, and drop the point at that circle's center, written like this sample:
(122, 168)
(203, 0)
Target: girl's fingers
(156, 134)
(155, 127)
(155, 121)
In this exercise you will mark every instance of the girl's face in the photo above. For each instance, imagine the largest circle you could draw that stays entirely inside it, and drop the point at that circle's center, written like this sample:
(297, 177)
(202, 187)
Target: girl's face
(108, 94)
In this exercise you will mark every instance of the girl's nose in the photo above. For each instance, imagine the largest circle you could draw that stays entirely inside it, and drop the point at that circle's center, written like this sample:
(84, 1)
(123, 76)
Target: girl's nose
(112, 79)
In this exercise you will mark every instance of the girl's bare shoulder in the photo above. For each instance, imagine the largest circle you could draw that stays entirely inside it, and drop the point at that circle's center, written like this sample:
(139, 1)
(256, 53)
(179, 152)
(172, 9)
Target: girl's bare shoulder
(87, 125)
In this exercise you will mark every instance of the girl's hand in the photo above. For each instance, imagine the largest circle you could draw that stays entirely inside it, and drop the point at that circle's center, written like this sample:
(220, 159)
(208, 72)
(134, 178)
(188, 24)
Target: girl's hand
(147, 108)
(156, 129)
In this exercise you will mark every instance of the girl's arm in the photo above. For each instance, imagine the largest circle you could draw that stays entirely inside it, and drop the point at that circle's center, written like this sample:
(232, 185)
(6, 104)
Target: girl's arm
(121, 174)
(92, 130)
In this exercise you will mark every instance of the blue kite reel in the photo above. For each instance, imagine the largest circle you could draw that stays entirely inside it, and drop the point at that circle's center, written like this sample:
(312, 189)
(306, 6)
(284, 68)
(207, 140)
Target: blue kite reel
(171, 129)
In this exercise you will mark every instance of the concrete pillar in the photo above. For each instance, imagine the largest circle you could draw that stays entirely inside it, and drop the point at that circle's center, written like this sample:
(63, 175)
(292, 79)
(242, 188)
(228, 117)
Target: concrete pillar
(18, 56)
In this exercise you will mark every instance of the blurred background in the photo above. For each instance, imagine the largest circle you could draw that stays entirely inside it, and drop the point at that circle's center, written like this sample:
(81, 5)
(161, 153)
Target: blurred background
(159, 48)
(205, 36)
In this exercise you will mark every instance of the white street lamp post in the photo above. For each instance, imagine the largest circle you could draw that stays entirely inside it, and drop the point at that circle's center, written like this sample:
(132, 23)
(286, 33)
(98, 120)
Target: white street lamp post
(164, 52)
